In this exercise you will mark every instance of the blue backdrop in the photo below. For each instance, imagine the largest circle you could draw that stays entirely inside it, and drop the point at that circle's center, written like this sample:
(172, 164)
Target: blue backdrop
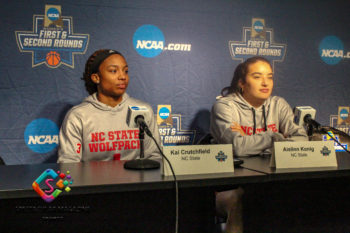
(180, 53)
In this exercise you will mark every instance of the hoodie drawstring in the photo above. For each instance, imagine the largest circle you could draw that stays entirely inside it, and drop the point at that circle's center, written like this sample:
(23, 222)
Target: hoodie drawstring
(253, 110)
(264, 115)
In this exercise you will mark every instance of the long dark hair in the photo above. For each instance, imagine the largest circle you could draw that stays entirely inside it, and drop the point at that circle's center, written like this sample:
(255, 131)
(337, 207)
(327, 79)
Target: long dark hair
(240, 73)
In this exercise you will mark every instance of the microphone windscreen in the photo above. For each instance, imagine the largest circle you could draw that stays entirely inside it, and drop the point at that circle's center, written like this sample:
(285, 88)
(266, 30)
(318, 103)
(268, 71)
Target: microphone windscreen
(133, 113)
(300, 112)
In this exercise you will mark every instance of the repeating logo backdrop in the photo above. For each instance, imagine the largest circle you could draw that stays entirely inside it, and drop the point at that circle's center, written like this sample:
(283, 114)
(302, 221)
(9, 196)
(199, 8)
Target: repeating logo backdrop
(52, 40)
(180, 55)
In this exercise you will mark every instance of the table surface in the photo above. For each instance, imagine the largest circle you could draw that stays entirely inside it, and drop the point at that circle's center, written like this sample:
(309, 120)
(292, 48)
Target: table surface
(100, 177)
(262, 164)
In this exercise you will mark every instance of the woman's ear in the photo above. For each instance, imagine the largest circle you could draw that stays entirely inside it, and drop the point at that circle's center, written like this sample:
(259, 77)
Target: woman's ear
(240, 84)
(95, 78)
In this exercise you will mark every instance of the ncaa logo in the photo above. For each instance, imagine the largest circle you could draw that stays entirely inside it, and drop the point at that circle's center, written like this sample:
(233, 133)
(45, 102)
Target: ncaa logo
(331, 50)
(344, 114)
(53, 14)
(258, 26)
(164, 113)
(41, 135)
(148, 41)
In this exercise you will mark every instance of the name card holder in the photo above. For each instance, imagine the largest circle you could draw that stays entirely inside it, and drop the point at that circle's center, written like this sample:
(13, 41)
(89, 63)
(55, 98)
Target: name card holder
(303, 154)
(198, 159)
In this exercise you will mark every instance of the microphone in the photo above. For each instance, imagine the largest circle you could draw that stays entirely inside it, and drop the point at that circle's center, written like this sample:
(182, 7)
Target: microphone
(136, 118)
(304, 116)
(309, 121)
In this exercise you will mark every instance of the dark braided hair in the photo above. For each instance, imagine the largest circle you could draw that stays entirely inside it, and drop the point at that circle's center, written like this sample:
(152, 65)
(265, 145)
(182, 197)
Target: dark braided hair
(91, 67)
(240, 73)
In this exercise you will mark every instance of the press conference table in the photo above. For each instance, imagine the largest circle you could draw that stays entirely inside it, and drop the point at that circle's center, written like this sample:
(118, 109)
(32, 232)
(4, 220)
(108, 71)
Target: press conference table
(107, 198)
(262, 164)
(298, 200)
(105, 177)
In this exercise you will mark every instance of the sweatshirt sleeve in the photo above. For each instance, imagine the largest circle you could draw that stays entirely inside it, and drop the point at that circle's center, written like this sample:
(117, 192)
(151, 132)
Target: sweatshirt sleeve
(151, 150)
(70, 140)
(222, 116)
(287, 125)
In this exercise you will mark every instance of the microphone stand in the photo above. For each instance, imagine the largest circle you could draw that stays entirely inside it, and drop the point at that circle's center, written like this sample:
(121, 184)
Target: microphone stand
(141, 163)
(311, 125)
(310, 130)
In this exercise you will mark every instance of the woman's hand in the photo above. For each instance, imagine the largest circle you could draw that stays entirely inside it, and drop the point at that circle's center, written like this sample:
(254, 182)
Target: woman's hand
(235, 127)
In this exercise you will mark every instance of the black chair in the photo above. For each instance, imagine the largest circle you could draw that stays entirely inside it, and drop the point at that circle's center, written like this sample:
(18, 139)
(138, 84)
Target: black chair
(2, 161)
(206, 139)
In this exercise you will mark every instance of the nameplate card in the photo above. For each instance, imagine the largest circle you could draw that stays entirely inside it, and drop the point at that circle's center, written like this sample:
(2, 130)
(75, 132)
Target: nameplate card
(303, 154)
(198, 159)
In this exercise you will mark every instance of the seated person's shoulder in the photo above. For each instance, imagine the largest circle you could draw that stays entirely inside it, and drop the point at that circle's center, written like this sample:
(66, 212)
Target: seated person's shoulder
(278, 101)
(78, 110)
(134, 101)
(226, 100)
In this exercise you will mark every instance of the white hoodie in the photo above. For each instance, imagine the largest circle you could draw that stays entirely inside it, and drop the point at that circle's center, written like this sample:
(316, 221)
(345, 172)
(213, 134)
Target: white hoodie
(261, 125)
(95, 131)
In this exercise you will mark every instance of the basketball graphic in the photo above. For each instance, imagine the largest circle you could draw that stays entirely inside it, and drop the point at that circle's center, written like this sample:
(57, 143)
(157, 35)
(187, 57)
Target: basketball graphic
(53, 58)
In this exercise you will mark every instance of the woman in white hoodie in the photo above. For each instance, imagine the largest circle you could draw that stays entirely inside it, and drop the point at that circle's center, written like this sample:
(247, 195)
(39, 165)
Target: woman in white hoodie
(249, 118)
(97, 128)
